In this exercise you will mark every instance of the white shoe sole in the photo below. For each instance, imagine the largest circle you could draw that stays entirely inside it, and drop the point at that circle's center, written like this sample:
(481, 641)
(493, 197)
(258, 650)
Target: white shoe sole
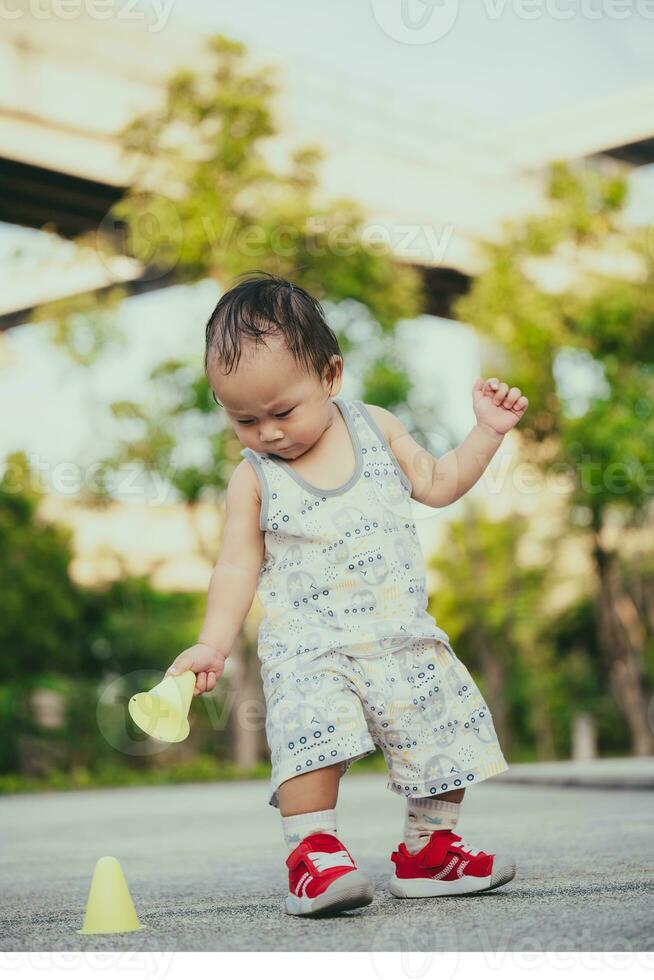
(503, 872)
(350, 891)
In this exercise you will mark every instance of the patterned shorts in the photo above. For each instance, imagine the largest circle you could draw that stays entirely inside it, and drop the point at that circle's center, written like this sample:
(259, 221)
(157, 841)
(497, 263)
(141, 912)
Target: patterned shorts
(418, 703)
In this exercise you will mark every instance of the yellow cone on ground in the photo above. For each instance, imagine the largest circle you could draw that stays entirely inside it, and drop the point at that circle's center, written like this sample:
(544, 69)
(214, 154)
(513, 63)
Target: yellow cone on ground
(109, 907)
(163, 711)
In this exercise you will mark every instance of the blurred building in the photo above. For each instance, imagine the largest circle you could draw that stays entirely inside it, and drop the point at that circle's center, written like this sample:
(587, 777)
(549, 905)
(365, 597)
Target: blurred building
(434, 177)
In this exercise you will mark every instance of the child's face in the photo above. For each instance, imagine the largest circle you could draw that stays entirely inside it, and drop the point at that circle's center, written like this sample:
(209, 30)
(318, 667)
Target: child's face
(273, 404)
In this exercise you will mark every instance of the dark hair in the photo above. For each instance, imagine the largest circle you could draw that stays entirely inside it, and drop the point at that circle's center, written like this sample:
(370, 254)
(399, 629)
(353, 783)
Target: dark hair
(262, 305)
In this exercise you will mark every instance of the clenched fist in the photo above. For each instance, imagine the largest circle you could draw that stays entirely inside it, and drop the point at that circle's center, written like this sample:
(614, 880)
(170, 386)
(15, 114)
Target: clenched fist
(497, 406)
(204, 661)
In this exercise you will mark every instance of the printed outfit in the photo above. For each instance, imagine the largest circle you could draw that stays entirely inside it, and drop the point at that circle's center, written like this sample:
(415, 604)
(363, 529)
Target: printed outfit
(350, 657)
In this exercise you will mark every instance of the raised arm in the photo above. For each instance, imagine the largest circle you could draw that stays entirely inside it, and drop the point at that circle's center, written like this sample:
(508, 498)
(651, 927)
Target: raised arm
(439, 482)
(233, 582)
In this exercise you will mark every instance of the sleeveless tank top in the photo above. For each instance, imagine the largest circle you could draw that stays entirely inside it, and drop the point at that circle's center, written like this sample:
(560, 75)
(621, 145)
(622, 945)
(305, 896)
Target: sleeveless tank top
(343, 568)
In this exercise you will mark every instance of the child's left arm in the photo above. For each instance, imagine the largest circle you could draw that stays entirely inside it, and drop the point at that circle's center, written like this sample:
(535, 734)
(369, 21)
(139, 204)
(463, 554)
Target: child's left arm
(439, 482)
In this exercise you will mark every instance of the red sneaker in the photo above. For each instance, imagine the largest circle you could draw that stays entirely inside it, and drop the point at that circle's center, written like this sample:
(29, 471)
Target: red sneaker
(322, 877)
(447, 865)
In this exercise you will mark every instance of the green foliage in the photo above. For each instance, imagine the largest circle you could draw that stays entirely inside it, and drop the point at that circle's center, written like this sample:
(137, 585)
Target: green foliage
(40, 621)
(58, 636)
(206, 201)
(609, 317)
(607, 322)
(386, 385)
(582, 676)
(491, 603)
(202, 768)
(83, 325)
(611, 446)
(137, 627)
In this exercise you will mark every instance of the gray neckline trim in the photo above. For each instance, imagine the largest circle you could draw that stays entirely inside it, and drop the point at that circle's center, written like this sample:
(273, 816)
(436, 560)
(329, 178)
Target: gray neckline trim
(356, 444)
(263, 484)
(365, 411)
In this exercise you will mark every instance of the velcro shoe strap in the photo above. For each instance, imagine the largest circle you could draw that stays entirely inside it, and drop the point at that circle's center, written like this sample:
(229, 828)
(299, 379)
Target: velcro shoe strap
(296, 856)
(320, 862)
(435, 851)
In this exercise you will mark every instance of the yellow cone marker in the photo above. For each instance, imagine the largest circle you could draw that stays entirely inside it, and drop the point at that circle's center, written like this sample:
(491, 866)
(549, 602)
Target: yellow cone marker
(163, 711)
(109, 907)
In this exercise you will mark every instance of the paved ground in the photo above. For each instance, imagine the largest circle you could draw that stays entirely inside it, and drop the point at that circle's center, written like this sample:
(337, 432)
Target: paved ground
(205, 867)
(634, 772)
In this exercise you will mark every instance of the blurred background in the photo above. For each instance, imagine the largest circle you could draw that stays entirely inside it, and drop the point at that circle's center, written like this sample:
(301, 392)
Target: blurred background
(468, 189)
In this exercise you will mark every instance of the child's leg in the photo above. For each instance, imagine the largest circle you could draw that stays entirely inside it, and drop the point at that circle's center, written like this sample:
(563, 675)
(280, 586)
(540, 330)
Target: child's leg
(452, 795)
(316, 790)
(307, 804)
(424, 815)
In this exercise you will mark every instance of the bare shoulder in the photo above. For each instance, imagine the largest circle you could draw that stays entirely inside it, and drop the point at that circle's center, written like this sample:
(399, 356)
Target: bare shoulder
(243, 539)
(415, 462)
(244, 480)
(243, 495)
(389, 424)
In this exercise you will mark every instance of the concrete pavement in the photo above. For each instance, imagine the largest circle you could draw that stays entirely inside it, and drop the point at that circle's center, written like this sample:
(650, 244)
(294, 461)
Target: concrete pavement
(204, 864)
(632, 772)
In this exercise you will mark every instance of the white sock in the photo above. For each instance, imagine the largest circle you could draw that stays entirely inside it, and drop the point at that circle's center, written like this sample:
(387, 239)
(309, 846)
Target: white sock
(423, 816)
(301, 824)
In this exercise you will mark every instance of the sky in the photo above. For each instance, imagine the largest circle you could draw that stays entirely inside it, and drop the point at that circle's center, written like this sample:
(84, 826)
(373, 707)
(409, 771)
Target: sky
(494, 62)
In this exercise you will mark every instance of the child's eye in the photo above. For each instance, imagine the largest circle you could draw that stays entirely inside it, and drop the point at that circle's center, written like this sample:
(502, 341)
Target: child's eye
(281, 415)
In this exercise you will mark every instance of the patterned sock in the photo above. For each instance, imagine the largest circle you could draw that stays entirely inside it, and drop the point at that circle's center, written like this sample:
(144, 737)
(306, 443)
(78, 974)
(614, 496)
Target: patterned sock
(423, 816)
(301, 824)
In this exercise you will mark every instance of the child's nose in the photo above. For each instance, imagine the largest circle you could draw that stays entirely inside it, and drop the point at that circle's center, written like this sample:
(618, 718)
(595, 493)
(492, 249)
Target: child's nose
(270, 434)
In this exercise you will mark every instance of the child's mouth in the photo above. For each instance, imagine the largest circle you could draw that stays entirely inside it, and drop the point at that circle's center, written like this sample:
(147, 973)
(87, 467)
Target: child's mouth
(279, 451)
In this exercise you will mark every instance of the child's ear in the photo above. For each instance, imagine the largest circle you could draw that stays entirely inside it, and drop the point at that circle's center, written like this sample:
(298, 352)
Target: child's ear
(334, 371)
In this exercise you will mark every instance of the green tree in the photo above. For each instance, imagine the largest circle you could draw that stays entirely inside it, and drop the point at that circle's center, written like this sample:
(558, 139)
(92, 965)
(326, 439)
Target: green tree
(492, 604)
(605, 322)
(57, 636)
(582, 678)
(41, 622)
